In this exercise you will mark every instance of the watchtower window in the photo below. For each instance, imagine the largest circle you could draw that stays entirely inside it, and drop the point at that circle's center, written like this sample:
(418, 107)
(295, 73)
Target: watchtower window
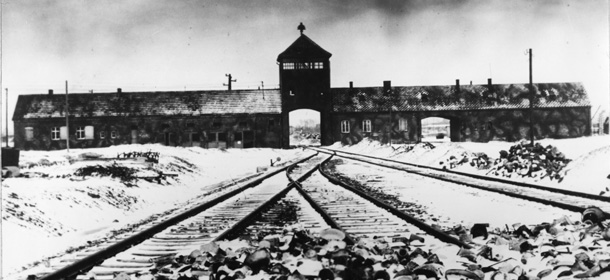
(303, 65)
(288, 66)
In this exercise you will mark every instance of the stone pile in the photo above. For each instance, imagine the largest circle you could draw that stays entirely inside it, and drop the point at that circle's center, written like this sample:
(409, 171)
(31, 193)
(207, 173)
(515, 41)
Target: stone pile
(521, 160)
(535, 161)
(561, 249)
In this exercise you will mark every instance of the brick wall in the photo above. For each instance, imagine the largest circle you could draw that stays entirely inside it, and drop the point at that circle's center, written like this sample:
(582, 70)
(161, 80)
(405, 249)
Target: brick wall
(237, 130)
(474, 126)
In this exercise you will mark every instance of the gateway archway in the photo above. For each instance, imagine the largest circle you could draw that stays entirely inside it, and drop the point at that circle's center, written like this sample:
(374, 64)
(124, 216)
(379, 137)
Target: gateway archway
(304, 127)
(436, 129)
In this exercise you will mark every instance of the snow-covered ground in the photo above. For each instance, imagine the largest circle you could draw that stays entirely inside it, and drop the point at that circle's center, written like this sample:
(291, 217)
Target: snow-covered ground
(587, 172)
(54, 210)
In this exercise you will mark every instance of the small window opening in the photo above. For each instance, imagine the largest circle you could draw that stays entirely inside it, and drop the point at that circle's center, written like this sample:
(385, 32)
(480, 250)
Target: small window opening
(80, 133)
(366, 126)
(345, 126)
(29, 133)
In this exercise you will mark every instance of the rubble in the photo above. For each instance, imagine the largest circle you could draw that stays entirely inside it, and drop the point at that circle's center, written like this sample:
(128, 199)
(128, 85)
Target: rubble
(521, 160)
(548, 250)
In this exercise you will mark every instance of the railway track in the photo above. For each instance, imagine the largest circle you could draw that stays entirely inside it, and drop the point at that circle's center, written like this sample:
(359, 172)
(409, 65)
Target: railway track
(123, 255)
(261, 208)
(564, 199)
(306, 200)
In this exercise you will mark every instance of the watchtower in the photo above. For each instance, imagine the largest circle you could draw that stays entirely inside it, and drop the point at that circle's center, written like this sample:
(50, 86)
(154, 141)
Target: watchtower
(305, 83)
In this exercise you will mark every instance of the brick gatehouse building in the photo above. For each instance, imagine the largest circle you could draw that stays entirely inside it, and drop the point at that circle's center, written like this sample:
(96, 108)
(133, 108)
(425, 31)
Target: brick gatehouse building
(255, 118)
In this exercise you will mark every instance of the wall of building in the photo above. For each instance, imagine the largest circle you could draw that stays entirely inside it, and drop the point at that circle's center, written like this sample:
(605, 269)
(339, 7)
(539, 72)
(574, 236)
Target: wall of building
(211, 131)
(474, 126)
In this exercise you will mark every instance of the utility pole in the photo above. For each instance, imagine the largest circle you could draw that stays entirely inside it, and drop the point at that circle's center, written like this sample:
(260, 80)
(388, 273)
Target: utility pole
(67, 124)
(230, 80)
(6, 101)
(531, 102)
(263, 87)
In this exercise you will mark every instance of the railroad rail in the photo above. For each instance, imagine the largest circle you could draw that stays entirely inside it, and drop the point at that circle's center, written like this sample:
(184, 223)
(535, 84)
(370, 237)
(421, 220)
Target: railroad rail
(251, 209)
(307, 195)
(564, 199)
(94, 256)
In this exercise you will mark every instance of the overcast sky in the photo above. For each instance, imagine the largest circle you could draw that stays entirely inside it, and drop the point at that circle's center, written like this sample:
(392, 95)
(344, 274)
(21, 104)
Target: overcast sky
(151, 45)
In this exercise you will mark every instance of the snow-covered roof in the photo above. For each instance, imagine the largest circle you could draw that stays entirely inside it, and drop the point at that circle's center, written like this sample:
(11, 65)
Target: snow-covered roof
(190, 103)
(469, 97)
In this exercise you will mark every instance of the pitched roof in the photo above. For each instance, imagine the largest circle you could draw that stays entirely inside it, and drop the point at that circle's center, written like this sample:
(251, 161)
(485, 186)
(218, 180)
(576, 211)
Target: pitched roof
(470, 97)
(304, 47)
(191, 103)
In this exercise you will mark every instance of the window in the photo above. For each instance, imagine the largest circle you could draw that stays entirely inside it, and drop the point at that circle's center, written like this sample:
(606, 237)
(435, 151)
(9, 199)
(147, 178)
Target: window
(291, 93)
(366, 125)
(80, 132)
(195, 137)
(271, 123)
(344, 126)
(216, 125)
(55, 133)
(63, 133)
(89, 134)
(102, 134)
(29, 133)
(243, 124)
(221, 136)
(303, 65)
(113, 134)
(403, 125)
(190, 125)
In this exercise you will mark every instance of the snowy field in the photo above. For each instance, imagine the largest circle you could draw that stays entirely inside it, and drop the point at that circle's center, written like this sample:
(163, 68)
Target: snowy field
(52, 209)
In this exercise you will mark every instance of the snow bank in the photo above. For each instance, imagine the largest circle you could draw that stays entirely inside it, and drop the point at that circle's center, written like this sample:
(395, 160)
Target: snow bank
(587, 172)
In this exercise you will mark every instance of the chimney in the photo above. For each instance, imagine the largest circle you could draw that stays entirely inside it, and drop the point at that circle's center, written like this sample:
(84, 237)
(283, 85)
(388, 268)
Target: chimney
(351, 84)
(387, 86)
(119, 90)
(50, 92)
(457, 85)
(489, 83)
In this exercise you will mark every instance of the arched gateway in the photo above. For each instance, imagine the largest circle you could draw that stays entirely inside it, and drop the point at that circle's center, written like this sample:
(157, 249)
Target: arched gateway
(305, 83)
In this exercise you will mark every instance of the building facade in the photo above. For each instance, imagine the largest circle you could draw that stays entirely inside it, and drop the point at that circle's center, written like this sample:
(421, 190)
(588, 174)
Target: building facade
(255, 118)
(208, 119)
